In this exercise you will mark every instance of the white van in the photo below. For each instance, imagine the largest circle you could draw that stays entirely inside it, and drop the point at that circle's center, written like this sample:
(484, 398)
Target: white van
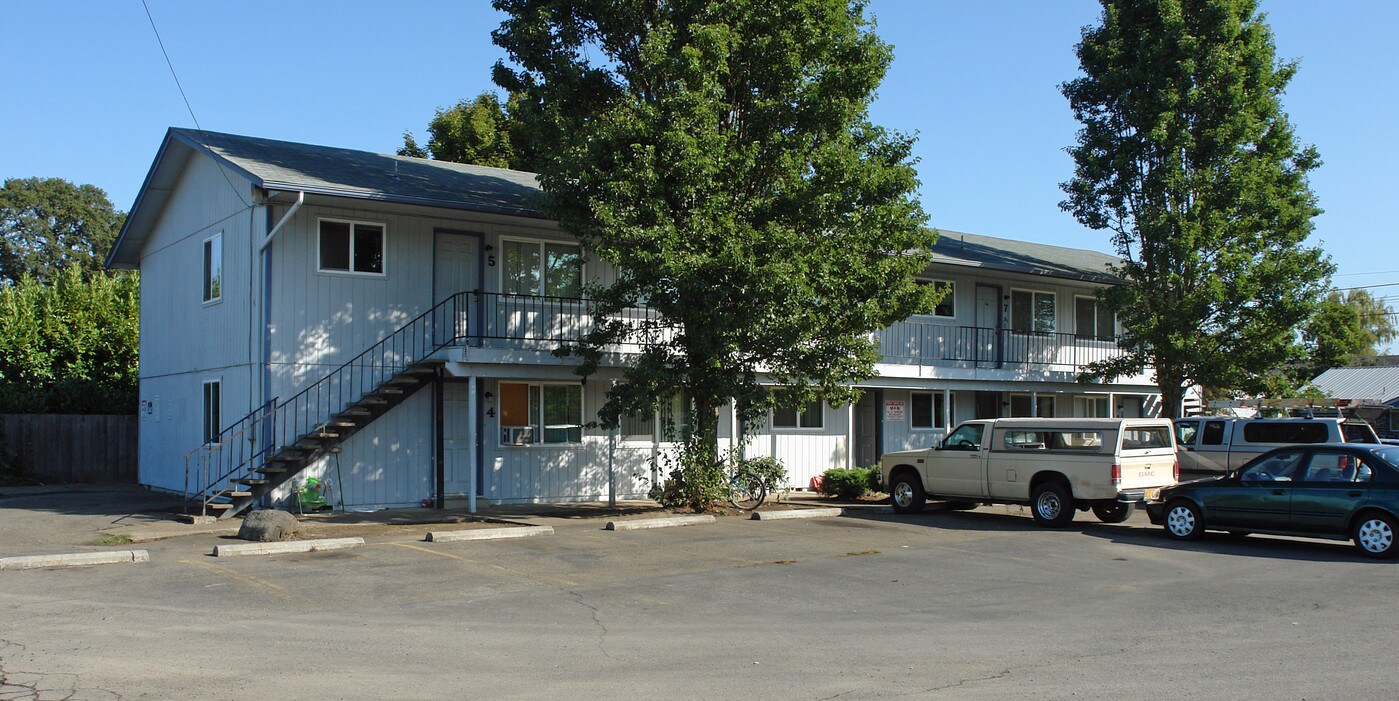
(1056, 466)
(1213, 444)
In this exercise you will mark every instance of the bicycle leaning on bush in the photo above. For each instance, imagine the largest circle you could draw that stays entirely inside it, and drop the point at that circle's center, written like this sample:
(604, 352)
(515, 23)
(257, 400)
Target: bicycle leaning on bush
(751, 479)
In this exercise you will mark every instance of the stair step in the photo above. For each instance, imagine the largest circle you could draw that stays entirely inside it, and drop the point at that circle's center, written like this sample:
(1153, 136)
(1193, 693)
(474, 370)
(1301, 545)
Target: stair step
(322, 435)
(270, 470)
(402, 380)
(253, 481)
(388, 390)
(354, 412)
(343, 424)
(309, 447)
(287, 457)
(367, 401)
(418, 370)
(218, 505)
(234, 494)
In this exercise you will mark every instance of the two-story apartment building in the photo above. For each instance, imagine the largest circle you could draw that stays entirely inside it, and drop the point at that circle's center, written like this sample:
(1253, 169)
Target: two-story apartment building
(387, 323)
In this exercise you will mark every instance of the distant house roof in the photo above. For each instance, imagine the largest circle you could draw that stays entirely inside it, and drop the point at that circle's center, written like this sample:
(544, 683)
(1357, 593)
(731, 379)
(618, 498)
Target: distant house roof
(1374, 383)
(340, 172)
(989, 252)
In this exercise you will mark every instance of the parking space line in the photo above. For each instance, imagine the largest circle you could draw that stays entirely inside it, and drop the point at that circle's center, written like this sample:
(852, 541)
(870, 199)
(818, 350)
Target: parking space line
(429, 551)
(246, 579)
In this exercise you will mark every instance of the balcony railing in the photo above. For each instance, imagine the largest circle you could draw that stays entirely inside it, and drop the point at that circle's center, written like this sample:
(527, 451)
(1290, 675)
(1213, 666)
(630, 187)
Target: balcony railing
(920, 343)
(543, 322)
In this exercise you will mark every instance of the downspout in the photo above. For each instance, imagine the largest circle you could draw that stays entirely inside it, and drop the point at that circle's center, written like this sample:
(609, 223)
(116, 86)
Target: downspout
(300, 200)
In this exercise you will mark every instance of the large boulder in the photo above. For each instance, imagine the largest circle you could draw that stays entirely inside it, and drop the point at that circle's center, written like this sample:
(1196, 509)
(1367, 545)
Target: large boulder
(268, 525)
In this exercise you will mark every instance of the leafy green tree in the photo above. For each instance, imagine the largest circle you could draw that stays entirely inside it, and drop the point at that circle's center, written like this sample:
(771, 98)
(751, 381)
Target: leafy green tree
(1375, 323)
(1347, 327)
(69, 346)
(479, 131)
(1187, 159)
(721, 156)
(47, 223)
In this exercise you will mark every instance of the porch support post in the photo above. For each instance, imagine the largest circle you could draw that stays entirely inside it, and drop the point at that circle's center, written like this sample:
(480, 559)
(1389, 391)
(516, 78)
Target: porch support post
(1112, 405)
(611, 462)
(946, 411)
(850, 435)
(440, 468)
(1034, 403)
(471, 442)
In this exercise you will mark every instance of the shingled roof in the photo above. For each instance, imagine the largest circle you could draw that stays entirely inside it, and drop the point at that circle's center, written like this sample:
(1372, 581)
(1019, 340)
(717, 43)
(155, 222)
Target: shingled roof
(339, 172)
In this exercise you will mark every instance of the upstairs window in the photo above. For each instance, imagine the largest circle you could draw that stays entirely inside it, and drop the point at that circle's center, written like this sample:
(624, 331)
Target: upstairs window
(548, 268)
(213, 268)
(945, 306)
(1091, 320)
(1031, 312)
(351, 247)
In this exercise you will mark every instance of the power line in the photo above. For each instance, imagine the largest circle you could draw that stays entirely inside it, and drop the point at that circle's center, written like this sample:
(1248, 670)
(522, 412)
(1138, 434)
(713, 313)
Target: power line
(1378, 272)
(185, 97)
(1368, 287)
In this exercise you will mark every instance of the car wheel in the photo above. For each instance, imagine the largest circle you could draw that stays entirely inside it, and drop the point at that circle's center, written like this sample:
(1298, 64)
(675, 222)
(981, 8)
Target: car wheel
(1183, 521)
(1374, 535)
(1052, 505)
(962, 505)
(907, 494)
(1113, 512)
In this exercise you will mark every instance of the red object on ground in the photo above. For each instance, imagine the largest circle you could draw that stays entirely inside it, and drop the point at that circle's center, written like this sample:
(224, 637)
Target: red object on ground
(816, 483)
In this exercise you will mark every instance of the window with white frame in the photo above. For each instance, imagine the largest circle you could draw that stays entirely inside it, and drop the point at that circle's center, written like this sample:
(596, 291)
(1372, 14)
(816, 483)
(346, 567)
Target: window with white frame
(945, 307)
(213, 268)
(1043, 405)
(534, 414)
(211, 411)
(664, 426)
(808, 416)
(926, 411)
(1092, 319)
(1031, 312)
(1092, 407)
(548, 268)
(351, 247)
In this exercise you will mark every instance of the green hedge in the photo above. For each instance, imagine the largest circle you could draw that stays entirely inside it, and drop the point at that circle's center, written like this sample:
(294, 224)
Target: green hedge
(850, 483)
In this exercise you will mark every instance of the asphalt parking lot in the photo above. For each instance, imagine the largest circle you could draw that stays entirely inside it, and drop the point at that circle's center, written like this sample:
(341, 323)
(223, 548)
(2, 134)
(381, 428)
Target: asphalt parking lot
(974, 605)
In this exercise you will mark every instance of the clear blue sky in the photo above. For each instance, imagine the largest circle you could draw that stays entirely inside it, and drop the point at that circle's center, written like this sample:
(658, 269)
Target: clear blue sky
(89, 96)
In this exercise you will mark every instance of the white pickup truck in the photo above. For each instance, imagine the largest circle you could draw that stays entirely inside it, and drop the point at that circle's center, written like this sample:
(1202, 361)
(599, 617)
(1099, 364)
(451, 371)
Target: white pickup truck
(1056, 466)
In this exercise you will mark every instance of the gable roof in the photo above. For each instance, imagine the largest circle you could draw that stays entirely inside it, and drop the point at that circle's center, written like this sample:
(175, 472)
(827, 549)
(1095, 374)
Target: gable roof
(988, 252)
(1375, 383)
(339, 172)
(324, 170)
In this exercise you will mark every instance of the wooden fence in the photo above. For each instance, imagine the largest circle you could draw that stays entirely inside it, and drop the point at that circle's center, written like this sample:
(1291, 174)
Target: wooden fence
(71, 447)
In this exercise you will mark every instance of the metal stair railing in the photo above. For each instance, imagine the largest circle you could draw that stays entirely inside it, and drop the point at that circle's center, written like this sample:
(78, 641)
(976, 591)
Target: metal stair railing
(242, 441)
(276, 426)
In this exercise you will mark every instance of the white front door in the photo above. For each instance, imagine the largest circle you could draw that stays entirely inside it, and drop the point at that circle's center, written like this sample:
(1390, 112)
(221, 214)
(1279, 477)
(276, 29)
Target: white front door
(988, 322)
(456, 268)
(456, 438)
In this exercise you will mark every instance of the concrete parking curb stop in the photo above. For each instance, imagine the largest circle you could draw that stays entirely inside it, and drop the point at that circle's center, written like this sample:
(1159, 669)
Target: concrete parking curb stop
(113, 557)
(797, 513)
(488, 533)
(665, 522)
(289, 546)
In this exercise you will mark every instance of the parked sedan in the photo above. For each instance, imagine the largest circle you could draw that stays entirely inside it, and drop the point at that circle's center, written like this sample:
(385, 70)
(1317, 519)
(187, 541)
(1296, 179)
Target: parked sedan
(1326, 490)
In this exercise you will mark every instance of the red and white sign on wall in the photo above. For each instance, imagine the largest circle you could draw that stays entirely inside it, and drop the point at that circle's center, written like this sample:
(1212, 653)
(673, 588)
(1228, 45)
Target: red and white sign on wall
(894, 410)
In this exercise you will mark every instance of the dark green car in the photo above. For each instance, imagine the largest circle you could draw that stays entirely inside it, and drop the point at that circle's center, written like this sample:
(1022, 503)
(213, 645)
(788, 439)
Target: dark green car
(1325, 490)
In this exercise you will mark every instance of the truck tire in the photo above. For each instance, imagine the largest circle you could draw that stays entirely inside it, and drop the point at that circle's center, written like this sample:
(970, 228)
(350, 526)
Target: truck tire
(906, 492)
(1112, 511)
(1052, 505)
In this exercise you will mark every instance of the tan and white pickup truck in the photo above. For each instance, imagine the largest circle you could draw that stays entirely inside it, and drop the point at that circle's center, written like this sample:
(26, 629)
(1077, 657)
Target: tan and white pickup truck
(1056, 466)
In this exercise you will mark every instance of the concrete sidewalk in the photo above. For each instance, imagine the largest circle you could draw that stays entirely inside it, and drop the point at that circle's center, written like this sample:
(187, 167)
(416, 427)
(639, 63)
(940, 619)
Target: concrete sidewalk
(39, 519)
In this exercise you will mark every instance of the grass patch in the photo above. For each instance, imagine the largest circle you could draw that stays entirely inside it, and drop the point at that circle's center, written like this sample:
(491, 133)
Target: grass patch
(113, 539)
(862, 552)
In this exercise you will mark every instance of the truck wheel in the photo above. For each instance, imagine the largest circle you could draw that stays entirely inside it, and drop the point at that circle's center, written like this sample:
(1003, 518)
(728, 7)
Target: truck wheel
(1052, 504)
(907, 494)
(1112, 512)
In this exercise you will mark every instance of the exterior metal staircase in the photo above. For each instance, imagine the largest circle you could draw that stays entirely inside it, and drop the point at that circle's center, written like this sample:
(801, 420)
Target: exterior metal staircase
(275, 442)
